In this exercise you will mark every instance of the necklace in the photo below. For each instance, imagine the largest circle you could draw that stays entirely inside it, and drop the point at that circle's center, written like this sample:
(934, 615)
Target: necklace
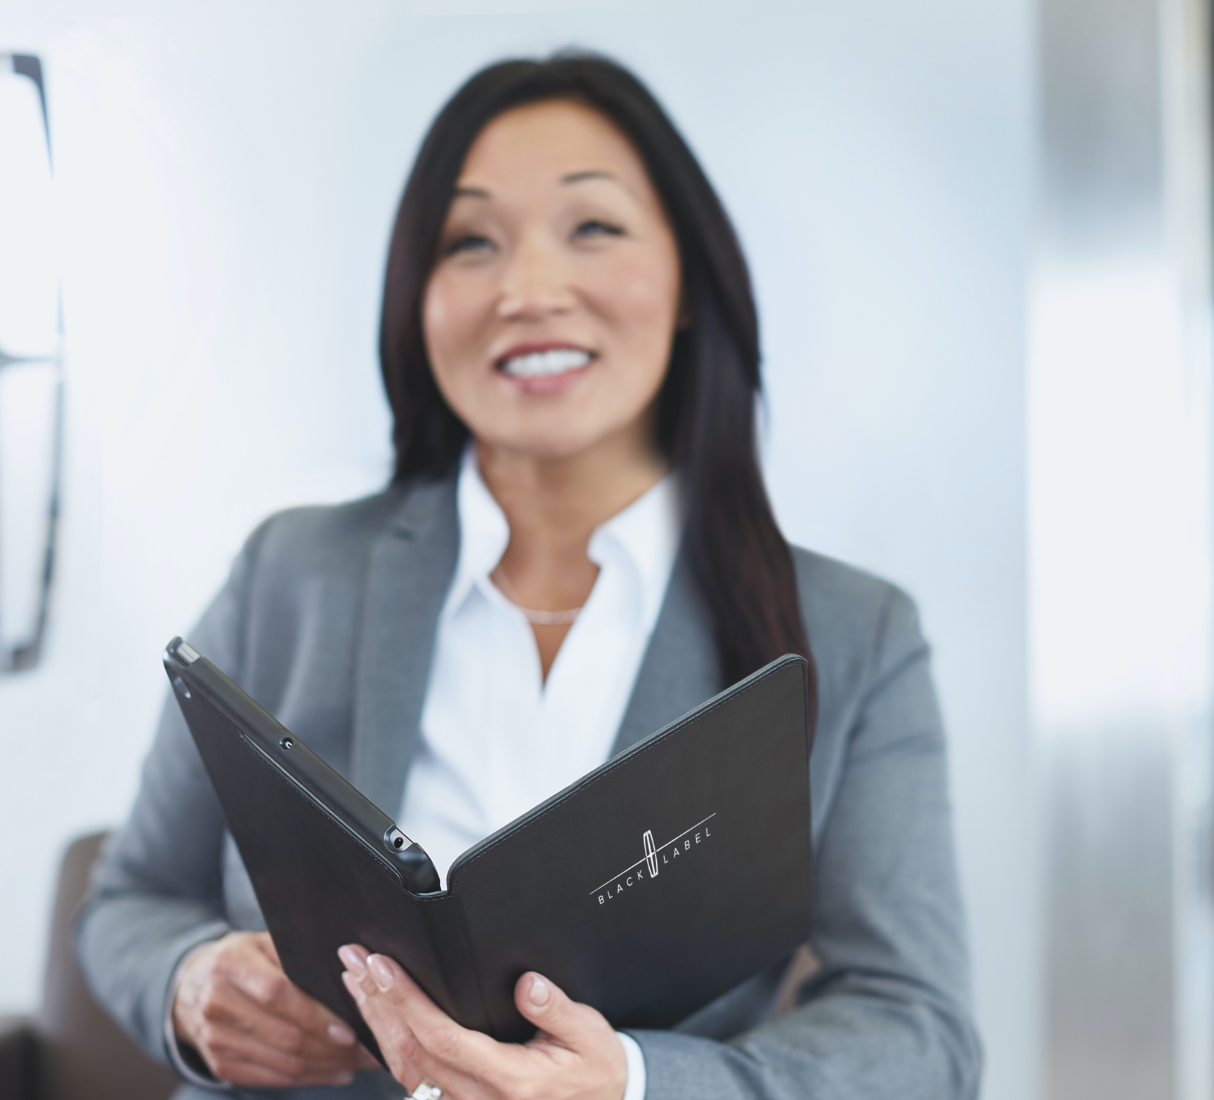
(535, 618)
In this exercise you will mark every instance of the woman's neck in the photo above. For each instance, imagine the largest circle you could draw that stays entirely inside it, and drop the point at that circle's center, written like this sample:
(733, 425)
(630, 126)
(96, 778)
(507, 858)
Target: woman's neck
(553, 507)
(557, 503)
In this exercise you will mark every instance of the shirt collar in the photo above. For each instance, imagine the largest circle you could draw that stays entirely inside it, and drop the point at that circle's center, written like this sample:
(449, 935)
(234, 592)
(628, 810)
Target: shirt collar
(643, 538)
(483, 532)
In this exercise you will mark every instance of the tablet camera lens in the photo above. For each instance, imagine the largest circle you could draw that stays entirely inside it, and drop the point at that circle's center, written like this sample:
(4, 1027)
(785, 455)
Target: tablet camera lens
(399, 842)
(286, 742)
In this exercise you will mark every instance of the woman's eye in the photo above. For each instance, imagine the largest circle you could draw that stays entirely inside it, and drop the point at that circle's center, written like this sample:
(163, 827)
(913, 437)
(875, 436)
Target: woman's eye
(470, 243)
(594, 228)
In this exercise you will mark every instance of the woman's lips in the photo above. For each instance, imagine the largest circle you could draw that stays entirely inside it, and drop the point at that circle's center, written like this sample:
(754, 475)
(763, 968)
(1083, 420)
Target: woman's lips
(528, 364)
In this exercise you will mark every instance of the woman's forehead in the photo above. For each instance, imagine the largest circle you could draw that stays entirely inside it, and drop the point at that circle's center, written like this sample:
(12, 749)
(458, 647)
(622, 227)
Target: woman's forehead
(550, 143)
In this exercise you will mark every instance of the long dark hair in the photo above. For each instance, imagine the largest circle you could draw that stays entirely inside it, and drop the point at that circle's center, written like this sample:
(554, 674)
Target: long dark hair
(706, 406)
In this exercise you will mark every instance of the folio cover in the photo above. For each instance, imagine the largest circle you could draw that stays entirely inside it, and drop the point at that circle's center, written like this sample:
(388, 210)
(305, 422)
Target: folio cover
(646, 889)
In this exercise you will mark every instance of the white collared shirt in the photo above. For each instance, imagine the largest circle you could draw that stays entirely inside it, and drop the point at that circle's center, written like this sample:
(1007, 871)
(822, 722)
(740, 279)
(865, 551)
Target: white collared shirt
(496, 738)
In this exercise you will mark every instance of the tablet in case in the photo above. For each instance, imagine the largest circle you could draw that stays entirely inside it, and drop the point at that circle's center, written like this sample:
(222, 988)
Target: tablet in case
(646, 889)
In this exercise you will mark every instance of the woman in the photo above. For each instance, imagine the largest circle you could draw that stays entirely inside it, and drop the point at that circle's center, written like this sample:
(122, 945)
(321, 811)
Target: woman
(576, 548)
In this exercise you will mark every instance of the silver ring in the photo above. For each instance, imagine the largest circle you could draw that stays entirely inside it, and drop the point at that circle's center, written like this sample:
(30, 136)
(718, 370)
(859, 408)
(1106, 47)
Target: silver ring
(427, 1090)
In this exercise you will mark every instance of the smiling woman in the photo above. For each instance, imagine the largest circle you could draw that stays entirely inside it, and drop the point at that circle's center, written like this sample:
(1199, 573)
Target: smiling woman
(548, 321)
(703, 416)
(577, 547)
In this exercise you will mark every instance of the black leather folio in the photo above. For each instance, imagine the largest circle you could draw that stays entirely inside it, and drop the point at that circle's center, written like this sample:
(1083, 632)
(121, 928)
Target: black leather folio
(649, 887)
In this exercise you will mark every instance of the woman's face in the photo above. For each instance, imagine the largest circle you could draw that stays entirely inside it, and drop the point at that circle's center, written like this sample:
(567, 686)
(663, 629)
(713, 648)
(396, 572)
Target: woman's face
(550, 314)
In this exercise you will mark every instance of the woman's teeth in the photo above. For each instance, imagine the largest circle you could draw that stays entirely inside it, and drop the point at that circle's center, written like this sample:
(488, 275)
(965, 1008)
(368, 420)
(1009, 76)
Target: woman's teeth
(542, 363)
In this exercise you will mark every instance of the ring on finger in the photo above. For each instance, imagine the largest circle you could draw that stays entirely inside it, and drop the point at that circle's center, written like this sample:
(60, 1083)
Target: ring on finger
(427, 1090)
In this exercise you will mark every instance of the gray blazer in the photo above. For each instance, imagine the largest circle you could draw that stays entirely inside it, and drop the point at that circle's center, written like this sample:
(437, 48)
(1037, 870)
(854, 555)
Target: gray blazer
(329, 619)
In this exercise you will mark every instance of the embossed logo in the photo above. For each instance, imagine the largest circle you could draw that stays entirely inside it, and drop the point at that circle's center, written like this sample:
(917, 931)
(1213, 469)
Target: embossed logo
(655, 858)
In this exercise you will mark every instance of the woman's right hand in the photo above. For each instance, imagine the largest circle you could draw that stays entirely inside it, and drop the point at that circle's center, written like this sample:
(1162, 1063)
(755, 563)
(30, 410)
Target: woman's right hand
(253, 1026)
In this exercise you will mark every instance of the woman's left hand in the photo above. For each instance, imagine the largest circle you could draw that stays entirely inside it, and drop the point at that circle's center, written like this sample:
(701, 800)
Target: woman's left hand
(575, 1055)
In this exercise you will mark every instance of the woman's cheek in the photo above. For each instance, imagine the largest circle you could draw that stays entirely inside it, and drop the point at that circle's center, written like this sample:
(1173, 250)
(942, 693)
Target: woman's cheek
(436, 316)
(648, 289)
(455, 310)
(650, 316)
(450, 332)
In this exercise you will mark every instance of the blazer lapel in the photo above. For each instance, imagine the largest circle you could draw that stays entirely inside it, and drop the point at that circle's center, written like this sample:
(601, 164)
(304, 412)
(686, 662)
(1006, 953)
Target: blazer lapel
(680, 668)
(409, 570)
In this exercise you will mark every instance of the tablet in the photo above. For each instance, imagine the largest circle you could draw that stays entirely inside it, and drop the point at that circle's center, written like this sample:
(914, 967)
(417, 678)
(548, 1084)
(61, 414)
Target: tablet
(647, 888)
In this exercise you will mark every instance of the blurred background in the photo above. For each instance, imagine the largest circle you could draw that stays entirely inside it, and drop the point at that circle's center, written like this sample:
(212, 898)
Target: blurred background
(980, 237)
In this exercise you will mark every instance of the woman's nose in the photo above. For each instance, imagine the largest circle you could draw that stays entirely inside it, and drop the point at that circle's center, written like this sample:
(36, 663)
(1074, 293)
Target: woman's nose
(535, 283)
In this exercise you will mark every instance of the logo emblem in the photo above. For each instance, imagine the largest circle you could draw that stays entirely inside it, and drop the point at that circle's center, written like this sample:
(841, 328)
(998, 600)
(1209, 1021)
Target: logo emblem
(651, 853)
(655, 856)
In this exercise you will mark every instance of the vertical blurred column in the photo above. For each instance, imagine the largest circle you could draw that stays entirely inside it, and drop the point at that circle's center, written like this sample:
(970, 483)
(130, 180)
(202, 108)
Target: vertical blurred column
(31, 381)
(1121, 559)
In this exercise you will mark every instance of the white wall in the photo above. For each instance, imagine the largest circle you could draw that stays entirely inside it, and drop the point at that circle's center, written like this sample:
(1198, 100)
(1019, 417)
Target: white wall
(227, 173)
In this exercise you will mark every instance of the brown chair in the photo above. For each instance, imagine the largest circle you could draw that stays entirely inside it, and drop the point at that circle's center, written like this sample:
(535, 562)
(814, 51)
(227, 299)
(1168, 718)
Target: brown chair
(71, 1050)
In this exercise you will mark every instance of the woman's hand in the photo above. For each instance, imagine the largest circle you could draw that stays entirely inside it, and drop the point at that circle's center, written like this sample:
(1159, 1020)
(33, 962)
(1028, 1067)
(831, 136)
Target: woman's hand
(252, 1026)
(575, 1055)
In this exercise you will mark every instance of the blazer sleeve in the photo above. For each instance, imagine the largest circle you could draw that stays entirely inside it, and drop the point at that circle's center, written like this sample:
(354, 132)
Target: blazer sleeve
(156, 892)
(887, 1013)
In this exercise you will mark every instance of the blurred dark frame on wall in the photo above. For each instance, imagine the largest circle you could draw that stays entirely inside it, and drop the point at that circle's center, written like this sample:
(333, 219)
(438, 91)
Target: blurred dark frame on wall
(31, 365)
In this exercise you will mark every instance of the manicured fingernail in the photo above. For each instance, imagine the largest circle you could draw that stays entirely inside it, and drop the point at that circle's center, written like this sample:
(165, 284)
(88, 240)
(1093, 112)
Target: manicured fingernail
(343, 1079)
(380, 971)
(356, 990)
(540, 990)
(351, 960)
(339, 1033)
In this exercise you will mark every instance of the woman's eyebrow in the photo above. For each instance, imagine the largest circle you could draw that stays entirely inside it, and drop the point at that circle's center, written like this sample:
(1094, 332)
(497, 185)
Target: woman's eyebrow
(470, 193)
(577, 177)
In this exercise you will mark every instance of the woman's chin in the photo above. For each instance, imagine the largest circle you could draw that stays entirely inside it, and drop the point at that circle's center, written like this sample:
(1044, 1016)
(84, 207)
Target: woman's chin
(549, 443)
